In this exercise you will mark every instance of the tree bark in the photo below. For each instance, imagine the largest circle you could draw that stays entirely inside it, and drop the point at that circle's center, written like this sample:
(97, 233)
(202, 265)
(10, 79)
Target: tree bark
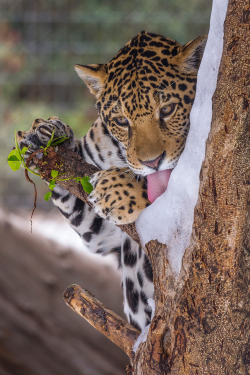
(200, 326)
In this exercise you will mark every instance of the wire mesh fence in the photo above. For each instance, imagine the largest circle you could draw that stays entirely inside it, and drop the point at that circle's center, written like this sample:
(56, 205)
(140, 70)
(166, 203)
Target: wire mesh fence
(41, 41)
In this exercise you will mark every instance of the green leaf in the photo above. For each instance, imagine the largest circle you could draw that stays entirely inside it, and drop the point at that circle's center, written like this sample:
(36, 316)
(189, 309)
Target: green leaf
(16, 143)
(48, 195)
(14, 160)
(86, 185)
(24, 149)
(44, 149)
(52, 185)
(54, 173)
(59, 140)
(51, 139)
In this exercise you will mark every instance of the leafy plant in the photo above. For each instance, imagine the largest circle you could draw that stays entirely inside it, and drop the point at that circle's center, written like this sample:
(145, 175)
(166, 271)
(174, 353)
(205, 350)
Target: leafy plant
(54, 142)
(86, 185)
(16, 160)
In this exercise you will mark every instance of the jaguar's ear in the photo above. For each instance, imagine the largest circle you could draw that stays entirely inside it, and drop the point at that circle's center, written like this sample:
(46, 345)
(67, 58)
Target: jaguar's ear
(93, 75)
(190, 55)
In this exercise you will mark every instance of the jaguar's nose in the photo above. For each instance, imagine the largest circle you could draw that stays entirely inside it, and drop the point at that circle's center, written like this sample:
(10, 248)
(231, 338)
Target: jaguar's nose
(154, 163)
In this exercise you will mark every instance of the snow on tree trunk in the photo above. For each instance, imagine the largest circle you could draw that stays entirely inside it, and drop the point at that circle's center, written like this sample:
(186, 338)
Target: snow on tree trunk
(173, 212)
(200, 323)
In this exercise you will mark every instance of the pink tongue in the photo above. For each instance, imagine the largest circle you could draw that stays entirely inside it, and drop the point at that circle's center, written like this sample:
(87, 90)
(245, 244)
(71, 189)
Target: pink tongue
(157, 184)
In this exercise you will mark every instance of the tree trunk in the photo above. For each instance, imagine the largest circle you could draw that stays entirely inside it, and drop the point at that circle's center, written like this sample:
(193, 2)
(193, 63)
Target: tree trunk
(200, 325)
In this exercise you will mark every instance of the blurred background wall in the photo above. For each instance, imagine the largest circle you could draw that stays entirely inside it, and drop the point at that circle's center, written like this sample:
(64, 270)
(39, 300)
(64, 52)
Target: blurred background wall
(40, 41)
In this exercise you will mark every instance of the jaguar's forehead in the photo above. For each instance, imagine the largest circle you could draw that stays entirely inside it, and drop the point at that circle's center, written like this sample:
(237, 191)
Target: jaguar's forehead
(141, 68)
(147, 61)
(143, 48)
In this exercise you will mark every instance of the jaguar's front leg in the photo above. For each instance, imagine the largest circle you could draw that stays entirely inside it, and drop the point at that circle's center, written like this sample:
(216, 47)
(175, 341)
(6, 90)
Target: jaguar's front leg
(118, 195)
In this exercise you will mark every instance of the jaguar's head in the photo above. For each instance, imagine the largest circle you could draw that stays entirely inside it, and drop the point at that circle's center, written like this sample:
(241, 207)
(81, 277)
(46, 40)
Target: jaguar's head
(144, 96)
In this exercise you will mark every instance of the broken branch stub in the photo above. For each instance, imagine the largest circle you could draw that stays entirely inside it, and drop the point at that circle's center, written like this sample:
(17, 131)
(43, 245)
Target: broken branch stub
(100, 317)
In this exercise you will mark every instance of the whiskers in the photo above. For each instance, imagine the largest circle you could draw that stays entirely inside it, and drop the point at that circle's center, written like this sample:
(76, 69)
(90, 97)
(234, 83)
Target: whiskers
(119, 163)
(129, 174)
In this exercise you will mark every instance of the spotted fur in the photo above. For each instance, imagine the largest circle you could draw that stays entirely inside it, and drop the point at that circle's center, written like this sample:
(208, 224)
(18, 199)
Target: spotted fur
(144, 96)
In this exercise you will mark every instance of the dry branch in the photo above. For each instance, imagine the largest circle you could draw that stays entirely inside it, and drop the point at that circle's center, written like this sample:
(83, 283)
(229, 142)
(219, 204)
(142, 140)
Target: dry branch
(100, 317)
(69, 164)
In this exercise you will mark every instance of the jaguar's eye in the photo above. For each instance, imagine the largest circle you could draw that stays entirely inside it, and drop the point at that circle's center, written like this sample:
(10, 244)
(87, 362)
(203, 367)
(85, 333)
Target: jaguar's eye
(121, 121)
(167, 110)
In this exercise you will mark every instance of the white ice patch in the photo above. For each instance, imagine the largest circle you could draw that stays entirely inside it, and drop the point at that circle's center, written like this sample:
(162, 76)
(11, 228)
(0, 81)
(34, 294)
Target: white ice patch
(170, 218)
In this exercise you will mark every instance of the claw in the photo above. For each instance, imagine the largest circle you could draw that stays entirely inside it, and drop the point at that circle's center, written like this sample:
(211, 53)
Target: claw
(45, 130)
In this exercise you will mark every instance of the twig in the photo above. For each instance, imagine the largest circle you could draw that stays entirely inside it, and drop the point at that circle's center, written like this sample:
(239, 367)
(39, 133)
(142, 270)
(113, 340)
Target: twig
(100, 317)
(35, 197)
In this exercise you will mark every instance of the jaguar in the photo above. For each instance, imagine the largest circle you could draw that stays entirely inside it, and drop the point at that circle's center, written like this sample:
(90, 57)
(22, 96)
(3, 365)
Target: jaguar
(143, 96)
